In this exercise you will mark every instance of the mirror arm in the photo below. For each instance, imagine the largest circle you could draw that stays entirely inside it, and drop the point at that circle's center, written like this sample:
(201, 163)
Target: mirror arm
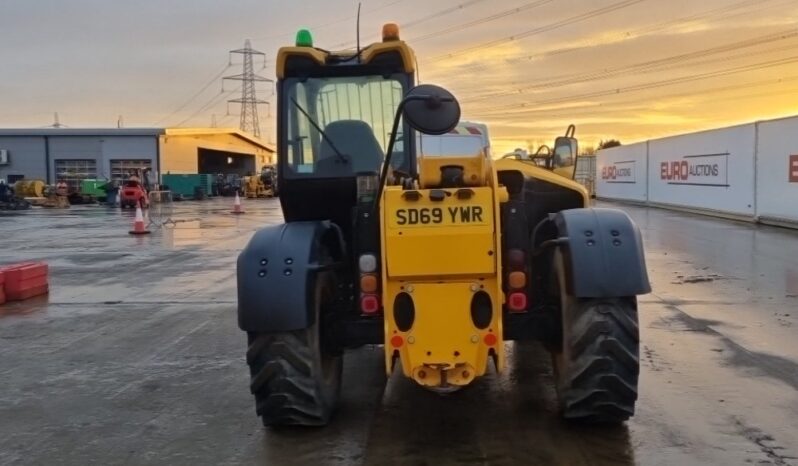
(389, 151)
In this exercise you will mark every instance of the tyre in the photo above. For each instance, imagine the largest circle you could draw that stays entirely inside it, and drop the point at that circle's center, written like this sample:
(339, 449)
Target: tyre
(294, 380)
(596, 363)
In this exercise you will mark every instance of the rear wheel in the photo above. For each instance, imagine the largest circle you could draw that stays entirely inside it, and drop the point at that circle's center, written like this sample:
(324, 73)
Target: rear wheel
(294, 379)
(597, 364)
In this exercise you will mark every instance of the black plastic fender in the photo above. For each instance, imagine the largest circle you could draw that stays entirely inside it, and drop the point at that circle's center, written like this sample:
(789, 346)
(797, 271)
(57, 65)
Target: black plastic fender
(603, 253)
(277, 273)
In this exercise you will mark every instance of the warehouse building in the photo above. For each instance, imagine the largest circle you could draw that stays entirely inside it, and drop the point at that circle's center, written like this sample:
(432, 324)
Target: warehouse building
(70, 154)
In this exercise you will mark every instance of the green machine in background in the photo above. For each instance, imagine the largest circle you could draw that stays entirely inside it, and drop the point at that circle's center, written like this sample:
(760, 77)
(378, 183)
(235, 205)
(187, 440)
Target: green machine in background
(90, 187)
(195, 186)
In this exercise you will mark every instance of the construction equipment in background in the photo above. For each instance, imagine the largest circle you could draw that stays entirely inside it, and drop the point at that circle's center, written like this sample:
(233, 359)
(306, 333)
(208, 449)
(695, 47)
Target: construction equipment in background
(88, 192)
(441, 257)
(254, 187)
(268, 176)
(9, 200)
(30, 188)
(563, 160)
(133, 195)
(37, 193)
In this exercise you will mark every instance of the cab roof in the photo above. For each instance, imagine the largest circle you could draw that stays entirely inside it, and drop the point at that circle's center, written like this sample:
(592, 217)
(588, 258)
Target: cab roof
(395, 54)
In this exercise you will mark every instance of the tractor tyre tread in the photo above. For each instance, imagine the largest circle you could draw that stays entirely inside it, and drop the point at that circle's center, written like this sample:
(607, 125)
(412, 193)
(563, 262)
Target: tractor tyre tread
(287, 388)
(602, 374)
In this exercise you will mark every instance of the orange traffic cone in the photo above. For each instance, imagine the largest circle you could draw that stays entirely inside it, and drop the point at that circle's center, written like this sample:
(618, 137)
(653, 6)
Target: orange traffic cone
(138, 225)
(237, 205)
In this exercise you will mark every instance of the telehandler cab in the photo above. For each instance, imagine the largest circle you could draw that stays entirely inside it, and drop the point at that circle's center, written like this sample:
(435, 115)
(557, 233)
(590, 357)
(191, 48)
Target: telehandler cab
(442, 259)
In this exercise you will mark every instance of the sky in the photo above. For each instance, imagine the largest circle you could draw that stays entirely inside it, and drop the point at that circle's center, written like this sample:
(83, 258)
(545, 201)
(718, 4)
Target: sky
(618, 69)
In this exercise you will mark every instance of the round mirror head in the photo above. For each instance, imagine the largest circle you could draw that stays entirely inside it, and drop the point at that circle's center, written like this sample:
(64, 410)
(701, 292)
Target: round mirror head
(431, 109)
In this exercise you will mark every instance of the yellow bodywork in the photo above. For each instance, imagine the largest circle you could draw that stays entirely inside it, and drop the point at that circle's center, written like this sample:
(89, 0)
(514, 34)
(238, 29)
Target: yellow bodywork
(531, 170)
(367, 55)
(254, 188)
(442, 252)
(29, 188)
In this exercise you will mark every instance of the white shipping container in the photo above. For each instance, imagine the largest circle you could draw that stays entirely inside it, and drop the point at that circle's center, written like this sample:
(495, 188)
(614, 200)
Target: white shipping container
(711, 170)
(777, 170)
(621, 172)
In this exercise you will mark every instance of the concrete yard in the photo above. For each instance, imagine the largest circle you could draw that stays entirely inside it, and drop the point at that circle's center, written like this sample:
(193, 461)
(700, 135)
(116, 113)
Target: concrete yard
(136, 358)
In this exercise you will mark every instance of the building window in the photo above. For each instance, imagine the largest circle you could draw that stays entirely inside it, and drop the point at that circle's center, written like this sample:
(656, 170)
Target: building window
(72, 171)
(120, 169)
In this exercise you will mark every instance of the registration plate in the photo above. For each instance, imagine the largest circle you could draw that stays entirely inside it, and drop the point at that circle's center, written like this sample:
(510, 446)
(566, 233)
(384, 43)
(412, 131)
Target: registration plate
(447, 215)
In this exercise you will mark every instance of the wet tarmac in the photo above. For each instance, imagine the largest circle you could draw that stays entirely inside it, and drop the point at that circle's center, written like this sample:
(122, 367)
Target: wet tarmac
(135, 358)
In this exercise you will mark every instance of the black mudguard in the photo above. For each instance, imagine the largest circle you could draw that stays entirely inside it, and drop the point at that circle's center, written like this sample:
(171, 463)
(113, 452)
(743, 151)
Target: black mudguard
(277, 273)
(603, 253)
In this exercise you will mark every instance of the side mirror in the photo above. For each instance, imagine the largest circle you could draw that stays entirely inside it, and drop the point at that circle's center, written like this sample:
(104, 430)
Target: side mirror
(431, 109)
(566, 149)
(428, 109)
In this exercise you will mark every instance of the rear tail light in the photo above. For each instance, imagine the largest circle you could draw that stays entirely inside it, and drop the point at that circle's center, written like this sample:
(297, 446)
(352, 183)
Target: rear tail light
(516, 280)
(369, 304)
(368, 283)
(367, 263)
(516, 302)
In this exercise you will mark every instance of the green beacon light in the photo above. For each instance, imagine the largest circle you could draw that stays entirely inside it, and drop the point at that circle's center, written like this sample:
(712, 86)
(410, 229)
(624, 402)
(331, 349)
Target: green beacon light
(303, 38)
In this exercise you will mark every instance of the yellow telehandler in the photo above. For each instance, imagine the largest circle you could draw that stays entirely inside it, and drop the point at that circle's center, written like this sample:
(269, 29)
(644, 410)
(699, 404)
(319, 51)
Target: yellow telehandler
(440, 258)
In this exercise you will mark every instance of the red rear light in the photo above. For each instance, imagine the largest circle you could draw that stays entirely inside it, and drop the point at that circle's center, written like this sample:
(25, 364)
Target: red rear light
(369, 304)
(490, 339)
(397, 341)
(517, 302)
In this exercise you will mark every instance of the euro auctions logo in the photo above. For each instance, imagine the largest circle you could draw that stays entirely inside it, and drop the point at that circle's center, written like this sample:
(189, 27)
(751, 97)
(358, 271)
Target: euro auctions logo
(697, 170)
(619, 172)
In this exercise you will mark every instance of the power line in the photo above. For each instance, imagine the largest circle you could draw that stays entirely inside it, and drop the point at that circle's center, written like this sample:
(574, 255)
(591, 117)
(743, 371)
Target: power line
(210, 103)
(194, 96)
(616, 107)
(423, 19)
(646, 66)
(712, 15)
(655, 84)
(541, 29)
(478, 22)
(329, 24)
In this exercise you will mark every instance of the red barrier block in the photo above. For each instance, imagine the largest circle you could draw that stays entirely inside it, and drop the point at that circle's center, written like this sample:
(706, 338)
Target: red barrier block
(25, 271)
(2, 288)
(28, 292)
(18, 265)
(23, 281)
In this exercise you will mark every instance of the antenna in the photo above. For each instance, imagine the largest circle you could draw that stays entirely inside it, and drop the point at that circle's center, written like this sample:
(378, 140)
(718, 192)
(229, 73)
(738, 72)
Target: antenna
(56, 122)
(358, 32)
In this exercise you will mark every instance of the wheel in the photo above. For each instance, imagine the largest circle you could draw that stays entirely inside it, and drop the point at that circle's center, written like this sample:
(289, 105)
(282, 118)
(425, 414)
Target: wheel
(294, 380)
(596, 364)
